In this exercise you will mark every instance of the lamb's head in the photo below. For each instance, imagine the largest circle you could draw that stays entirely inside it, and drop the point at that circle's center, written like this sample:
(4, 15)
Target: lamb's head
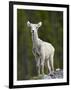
(34, 27)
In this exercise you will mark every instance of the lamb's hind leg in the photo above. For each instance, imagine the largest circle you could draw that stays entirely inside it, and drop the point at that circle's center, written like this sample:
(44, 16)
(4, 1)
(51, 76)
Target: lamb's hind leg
(52, 62)
(49, 67)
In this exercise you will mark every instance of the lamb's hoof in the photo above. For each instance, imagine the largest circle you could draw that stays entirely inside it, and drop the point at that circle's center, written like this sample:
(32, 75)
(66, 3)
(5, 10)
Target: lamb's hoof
(51, 73)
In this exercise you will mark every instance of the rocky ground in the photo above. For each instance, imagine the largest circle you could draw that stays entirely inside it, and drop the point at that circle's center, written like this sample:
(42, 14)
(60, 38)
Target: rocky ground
(55, 75)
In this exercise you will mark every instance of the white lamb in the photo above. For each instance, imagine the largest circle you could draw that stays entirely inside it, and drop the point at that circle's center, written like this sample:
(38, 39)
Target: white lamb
(43, 51)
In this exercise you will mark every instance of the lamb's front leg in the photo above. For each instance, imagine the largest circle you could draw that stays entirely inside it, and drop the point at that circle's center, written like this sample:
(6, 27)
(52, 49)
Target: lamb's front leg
(42, 65)
(37, 59)
(38, 65)
(42, 69)
(34, 53)
(42, 60)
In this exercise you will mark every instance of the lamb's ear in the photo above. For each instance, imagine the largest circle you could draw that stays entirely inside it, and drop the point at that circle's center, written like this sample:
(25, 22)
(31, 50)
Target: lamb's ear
(39, 24)
(28, 24)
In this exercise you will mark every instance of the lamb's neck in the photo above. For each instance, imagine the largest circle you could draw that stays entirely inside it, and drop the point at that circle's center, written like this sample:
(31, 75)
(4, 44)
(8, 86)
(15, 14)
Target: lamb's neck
(35, 39)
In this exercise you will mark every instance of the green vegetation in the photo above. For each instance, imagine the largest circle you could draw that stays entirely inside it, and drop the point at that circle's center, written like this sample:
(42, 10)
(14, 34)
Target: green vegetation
(50, 31)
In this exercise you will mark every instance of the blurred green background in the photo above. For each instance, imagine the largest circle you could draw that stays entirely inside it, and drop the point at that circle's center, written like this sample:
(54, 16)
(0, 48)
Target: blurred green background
(50, 31)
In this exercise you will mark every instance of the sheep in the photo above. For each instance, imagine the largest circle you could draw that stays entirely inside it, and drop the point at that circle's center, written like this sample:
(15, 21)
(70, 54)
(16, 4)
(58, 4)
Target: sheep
(43, 51)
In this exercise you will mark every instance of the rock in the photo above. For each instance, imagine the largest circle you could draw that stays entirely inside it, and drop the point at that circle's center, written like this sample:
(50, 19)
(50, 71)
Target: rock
(46, 77)
(56, 74)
